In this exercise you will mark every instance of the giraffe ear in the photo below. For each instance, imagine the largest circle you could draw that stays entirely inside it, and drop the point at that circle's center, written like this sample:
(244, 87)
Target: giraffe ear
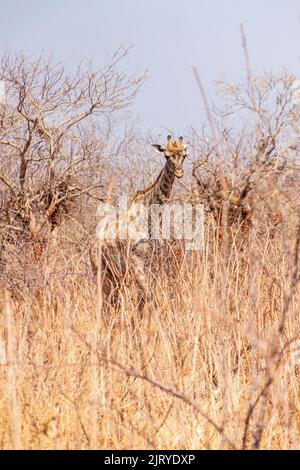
(159, 148)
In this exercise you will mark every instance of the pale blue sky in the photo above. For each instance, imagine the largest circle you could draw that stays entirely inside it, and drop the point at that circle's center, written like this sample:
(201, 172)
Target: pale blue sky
(168, 36)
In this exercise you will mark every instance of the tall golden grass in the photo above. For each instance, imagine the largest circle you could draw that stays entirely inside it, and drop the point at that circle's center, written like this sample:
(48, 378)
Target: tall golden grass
(212, 366)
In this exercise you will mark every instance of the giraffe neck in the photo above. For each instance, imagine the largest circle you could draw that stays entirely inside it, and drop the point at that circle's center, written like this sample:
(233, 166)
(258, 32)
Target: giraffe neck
(159, 192)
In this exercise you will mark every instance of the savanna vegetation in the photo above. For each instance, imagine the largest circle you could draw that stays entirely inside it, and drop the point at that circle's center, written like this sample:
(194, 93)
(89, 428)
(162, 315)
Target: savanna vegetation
(213, 363)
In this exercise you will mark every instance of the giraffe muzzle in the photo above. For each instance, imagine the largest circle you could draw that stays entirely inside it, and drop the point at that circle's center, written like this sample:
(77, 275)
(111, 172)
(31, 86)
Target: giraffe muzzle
(179, 173)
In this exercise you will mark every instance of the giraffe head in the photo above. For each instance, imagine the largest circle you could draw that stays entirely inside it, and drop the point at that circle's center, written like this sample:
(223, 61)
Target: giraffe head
(176, 152)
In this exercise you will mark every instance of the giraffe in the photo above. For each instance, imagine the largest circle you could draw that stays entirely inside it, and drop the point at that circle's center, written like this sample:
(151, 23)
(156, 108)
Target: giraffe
(125, 259)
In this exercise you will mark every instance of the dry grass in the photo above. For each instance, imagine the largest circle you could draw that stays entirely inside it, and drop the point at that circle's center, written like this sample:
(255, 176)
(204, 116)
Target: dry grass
(207, 368)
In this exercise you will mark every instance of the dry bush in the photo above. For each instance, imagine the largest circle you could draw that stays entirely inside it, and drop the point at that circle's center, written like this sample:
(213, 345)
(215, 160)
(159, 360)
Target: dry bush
(186, 376)
(246, 169)
(212, 364)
